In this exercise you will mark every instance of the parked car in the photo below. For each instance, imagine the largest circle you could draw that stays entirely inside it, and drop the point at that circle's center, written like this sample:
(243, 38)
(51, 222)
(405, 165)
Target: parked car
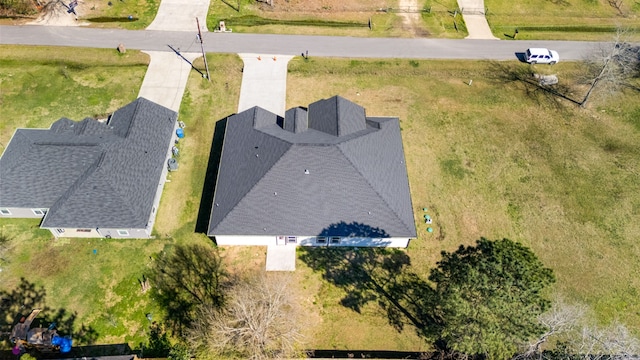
(541, 56)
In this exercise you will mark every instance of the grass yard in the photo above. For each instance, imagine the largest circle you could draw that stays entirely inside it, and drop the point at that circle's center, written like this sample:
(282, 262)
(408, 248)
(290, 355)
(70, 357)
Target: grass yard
(89, 285)
(42, 84)
(493, 159)
(116, 13)
(562, 20)
(337, 18)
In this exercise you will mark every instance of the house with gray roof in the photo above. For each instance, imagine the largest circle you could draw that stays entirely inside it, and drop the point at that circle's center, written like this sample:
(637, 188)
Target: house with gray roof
(326, 175)
(90, 178)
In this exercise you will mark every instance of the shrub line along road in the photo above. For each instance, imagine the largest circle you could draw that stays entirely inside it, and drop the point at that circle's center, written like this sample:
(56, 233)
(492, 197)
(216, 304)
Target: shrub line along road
(329, 46)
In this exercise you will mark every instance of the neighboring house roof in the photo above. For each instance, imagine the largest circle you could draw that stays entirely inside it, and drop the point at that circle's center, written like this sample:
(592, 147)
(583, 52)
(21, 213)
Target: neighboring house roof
(90, 174)
(311, 171)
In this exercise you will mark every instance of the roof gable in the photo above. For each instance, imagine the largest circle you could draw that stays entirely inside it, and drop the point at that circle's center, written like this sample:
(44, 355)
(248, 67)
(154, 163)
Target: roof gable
(337, 116)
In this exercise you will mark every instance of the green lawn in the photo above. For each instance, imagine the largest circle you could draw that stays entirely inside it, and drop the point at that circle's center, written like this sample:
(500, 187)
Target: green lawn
(563, 19)
(130, 14)
(497, 160)
(95, 283)
(494, 159)
(50, 83)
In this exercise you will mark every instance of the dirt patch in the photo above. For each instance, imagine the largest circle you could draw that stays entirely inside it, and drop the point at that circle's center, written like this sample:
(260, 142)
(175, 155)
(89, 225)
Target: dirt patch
(409, 12)
(56, 13)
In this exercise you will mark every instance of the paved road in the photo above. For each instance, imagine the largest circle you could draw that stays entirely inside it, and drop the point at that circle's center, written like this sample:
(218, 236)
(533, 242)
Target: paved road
(286, 44)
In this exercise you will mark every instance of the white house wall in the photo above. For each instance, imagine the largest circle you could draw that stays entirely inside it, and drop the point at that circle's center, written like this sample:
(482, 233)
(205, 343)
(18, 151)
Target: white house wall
(132, 233)
(22, 213)
(306, 240)
(100, 233)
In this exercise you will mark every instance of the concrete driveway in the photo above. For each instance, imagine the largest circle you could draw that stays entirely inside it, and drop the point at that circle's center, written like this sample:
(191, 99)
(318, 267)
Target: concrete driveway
(473, 13)
(264, 82)
(166, 78)
(180, 15)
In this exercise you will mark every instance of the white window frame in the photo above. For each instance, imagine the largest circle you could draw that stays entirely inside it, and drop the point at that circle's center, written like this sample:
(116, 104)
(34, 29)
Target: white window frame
(321, 240)
(39, 212)
(5, 211)
(60, 231)
(123, 232)
(335, 240)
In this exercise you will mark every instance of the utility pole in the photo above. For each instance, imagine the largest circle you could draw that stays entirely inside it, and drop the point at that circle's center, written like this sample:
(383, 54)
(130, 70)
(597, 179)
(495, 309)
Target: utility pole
(204, 56)
(185, 59)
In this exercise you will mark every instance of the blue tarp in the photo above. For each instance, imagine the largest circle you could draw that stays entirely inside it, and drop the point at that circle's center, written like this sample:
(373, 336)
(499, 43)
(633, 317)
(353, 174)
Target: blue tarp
(63, 342)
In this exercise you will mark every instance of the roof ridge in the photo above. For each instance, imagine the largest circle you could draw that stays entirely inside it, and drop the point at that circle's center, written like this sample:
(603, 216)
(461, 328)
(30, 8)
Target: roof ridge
(137, 103)
(338, 119)
(384, 200)
(256, 183)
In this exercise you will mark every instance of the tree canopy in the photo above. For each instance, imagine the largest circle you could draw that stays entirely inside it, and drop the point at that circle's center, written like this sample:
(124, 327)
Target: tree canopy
(489, 297)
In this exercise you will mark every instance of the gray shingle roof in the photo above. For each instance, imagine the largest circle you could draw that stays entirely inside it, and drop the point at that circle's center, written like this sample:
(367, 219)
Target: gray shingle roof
(346, 168)
(90, 174)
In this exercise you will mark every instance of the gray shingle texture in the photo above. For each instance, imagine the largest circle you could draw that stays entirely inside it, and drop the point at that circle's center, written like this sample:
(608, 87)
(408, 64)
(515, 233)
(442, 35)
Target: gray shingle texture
(344, 169)
(90, 174)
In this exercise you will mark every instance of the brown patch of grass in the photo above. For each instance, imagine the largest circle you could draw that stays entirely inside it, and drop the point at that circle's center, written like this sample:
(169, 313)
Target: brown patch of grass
(48, 262)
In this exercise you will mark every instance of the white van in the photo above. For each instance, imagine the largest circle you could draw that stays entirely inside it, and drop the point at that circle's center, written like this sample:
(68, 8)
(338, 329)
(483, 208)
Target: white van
(541, 56)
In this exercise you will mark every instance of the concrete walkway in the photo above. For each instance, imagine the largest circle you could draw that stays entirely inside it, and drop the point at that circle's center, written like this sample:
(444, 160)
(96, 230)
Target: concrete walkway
(264, 82)
(473, 13)
(281, 258)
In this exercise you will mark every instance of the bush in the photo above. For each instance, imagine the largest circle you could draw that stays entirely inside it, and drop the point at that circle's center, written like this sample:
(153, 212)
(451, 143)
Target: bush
(17, 7)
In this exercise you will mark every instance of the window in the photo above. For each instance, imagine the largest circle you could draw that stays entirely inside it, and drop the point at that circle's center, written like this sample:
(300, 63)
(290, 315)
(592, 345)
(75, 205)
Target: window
(5, 212)
(60, 231)
(84, 230)
(292, 239)
(321, 240)
(39, 212)
(123, 233)
(335, 239)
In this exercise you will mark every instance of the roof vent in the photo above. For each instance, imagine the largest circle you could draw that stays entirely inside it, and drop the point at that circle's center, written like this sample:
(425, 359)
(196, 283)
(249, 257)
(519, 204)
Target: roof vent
(306, 172)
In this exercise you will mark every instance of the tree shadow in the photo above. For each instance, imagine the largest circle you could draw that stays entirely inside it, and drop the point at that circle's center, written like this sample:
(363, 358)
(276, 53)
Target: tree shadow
(18, 303)
(375, 274)
(158, 345)
(27, 296)
(353, 229)
(211, 177)
(185, 277)
(502, 73)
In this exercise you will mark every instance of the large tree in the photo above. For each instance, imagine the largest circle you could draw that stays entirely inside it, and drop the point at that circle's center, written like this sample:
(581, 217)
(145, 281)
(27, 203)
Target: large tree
(260, 321)
(489, 297)
(612, 66)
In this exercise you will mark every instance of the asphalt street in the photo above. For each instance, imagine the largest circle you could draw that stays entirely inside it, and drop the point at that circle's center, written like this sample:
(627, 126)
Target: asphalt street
(326, 46)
